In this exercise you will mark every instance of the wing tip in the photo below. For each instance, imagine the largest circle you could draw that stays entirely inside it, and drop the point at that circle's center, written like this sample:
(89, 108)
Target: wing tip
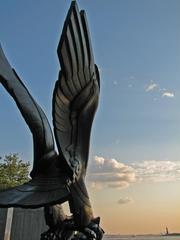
(73, 8)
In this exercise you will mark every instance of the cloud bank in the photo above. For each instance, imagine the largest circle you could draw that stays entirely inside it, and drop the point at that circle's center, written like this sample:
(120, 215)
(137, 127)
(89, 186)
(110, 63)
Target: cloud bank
(158, 171)
(110, 173)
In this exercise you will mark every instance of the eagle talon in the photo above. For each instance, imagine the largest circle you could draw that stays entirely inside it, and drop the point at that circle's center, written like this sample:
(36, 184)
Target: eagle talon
(49, 235)
(92, 232)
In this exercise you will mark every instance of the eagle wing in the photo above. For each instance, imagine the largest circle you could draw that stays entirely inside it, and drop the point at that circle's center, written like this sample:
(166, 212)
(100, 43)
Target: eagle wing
(48, 184)
(76, 93)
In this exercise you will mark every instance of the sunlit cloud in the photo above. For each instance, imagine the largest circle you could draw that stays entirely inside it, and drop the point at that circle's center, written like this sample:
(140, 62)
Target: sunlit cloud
(125, 200)
(168, 94)
(152, 86)
(110, 173)
(158, 171)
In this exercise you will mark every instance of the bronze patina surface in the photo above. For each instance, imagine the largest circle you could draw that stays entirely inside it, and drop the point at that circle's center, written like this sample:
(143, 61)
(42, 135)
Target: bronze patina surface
(59, 177)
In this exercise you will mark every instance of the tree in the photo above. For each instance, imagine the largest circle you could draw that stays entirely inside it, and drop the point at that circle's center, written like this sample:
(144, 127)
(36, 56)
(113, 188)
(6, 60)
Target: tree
(13, 171)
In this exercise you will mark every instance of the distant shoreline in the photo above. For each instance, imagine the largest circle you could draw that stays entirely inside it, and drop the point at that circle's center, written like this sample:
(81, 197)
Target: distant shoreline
(141, 235)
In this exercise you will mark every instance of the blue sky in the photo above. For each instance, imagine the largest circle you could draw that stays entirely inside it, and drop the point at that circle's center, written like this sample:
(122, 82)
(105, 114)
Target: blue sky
(135, 42)
(136, 47)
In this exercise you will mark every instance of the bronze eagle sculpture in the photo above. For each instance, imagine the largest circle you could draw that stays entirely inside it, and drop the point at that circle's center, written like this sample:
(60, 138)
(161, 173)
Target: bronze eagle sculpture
(60, 177)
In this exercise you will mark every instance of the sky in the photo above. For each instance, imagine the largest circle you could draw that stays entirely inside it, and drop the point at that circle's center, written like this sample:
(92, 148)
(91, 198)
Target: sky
(134, 163)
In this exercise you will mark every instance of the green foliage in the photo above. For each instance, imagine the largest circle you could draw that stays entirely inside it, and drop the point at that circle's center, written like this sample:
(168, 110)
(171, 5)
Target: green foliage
(13, 171)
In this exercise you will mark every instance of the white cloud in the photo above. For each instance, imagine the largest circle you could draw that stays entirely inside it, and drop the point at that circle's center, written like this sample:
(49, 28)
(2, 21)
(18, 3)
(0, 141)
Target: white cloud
(151, 87)
(125, 200)
(158, 171)
(168, 94)
(110, 173)
(99, 160)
